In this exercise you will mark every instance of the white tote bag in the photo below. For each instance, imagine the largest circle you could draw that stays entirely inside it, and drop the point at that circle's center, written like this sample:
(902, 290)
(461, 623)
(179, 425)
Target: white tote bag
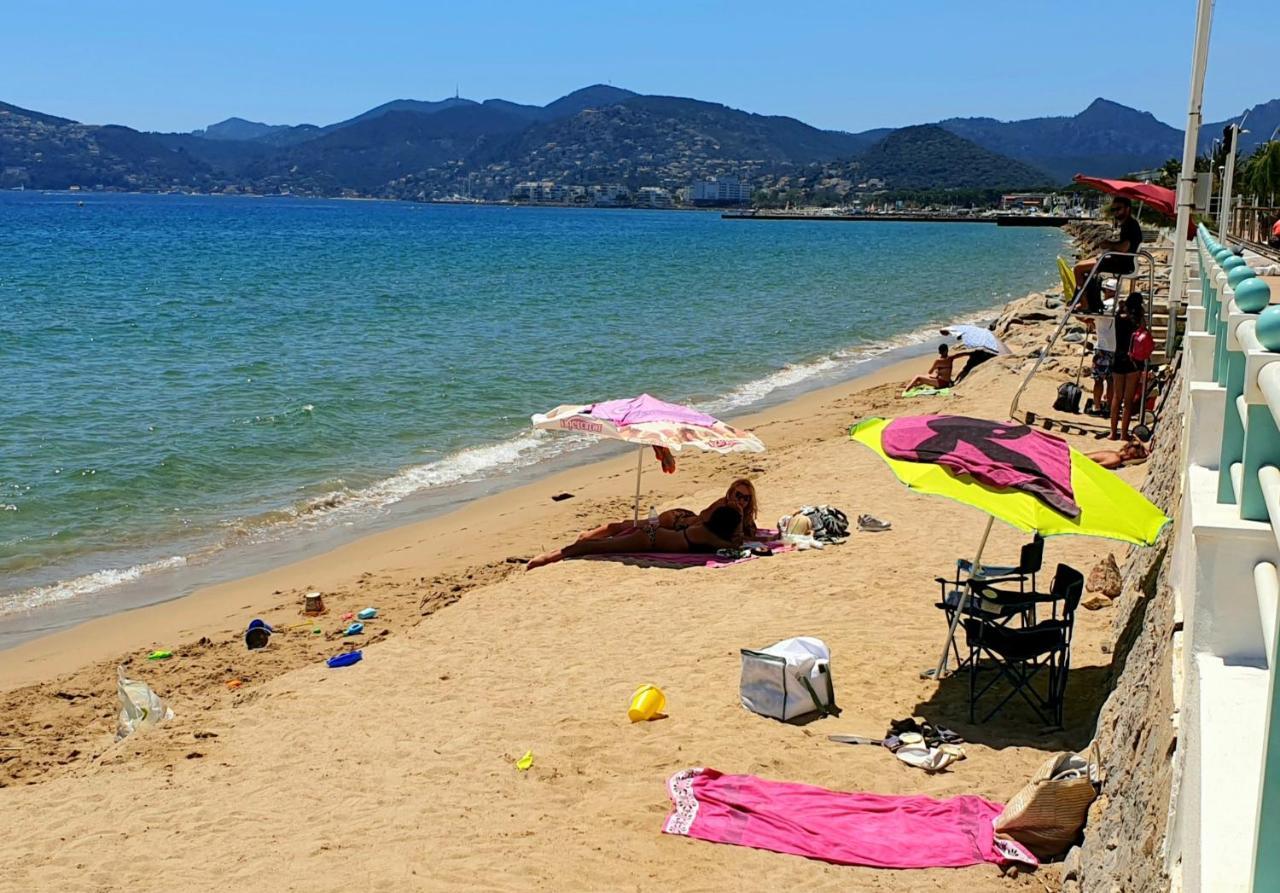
(788, 680)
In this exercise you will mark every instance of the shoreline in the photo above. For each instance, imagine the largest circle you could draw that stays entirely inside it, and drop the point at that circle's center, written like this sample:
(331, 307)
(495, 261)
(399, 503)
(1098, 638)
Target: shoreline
(418, 740)
(218, 608)
(161, 581)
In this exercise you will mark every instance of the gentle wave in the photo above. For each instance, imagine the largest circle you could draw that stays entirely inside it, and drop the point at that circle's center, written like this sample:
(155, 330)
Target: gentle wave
(468, 465)
(85, 585)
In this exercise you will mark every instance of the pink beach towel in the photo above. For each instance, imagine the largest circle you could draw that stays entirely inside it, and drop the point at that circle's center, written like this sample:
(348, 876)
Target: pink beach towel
(995, 453)
(765, 536)
(847, 829)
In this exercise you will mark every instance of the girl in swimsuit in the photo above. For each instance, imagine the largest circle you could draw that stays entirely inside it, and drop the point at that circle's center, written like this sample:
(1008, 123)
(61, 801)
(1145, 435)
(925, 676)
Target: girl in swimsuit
(705, 536)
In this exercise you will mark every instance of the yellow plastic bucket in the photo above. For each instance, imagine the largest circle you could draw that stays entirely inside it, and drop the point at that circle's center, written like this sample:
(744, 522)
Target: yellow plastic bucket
(646, 703)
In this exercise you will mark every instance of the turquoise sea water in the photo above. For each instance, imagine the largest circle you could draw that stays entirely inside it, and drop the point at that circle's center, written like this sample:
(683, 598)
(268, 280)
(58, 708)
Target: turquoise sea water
(183, 374)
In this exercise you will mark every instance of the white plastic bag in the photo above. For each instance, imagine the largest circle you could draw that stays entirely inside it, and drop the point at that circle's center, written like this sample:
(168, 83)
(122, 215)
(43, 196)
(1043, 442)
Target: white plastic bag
(789, 679)
(139, 705)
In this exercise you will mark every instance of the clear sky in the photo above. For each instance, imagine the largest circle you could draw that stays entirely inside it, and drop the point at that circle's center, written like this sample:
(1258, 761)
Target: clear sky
(847, 65)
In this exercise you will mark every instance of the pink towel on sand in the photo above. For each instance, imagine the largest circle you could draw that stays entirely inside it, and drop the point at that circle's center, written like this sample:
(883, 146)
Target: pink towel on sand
(764, 536)
(847, 829)
(995, 453)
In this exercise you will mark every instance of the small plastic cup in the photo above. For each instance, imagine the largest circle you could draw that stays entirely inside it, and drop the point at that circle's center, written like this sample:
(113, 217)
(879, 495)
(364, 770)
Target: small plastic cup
(646, 703)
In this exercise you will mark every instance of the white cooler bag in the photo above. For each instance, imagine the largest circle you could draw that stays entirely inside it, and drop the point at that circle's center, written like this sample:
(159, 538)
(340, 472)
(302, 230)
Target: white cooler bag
(788, 680)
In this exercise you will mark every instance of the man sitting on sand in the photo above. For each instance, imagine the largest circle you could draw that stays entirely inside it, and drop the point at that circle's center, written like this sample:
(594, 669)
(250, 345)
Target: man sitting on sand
(708, 536)
(940, 372)
(1132, 453)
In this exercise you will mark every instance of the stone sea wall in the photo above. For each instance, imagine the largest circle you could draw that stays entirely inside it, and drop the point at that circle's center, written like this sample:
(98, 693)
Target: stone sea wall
(1123, 847)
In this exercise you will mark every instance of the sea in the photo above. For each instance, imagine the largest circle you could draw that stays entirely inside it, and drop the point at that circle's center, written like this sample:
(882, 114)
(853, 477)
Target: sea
(195, 384)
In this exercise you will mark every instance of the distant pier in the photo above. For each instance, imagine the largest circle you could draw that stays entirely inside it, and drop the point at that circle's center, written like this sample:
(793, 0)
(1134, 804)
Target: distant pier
(997, 219)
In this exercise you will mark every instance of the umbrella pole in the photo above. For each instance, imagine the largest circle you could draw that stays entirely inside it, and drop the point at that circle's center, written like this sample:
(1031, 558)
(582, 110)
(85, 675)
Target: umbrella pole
(974, 571)
(635, 518)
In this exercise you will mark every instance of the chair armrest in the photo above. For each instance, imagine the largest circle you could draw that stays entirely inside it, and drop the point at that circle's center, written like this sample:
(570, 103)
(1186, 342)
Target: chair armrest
(986, 581)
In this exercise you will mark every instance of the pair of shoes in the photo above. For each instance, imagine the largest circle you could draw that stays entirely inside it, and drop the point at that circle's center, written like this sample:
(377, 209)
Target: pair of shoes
(871, 524)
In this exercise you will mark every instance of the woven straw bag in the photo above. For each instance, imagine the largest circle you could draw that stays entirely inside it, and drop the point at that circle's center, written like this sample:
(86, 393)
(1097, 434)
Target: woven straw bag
(1046, 816)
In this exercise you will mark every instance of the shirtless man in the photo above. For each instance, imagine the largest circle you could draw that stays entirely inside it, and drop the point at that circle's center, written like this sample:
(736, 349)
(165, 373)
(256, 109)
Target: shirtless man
(940, 372)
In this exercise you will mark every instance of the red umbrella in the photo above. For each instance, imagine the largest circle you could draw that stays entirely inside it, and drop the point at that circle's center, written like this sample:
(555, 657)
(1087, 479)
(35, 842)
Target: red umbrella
(1162, 199)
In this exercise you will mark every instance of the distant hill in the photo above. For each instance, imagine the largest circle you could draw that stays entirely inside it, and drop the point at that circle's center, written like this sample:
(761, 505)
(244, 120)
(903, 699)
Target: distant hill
(657, 140)
(366, 156)
(1261, 121)
(238, 129)
(929, 157)
(1106, 139)
(46, 152)
(409, 148)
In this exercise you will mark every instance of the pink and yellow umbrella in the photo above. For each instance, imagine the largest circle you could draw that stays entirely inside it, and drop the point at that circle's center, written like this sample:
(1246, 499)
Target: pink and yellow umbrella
(648, 421)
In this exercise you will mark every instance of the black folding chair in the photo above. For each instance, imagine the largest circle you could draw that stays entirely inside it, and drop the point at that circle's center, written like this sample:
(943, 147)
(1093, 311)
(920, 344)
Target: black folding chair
(1018, 656)
(986, 601)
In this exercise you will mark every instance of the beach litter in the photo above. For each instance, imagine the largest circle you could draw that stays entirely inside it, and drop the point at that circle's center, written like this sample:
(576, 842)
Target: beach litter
(354, 629)
(160, 655)
(368, 614)
(313, 604)
(344, 660)
(233, 684)
(647, 703)
(139, 706)
(525, 762)
(258, 634)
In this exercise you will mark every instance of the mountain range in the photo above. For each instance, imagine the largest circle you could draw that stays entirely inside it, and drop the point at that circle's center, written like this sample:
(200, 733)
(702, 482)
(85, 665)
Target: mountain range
(601, 134)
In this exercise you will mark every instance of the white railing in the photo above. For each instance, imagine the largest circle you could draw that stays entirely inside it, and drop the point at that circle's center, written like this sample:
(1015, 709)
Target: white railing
(1227, 813)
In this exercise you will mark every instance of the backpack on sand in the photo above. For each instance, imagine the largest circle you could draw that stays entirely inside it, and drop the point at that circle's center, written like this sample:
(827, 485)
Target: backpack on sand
(830, 525)
(1069, 393)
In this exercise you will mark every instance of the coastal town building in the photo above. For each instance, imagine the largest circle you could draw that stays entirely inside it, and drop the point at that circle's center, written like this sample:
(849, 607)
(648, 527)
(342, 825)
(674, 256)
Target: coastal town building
(654, 197)
(720, 191)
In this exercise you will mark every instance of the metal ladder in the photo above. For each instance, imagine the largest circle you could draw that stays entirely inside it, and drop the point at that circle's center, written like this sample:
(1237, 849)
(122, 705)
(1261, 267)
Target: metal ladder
(1070, 311)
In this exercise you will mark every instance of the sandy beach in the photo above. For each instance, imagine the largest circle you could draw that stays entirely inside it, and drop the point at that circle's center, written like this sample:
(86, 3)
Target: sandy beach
(398, 773)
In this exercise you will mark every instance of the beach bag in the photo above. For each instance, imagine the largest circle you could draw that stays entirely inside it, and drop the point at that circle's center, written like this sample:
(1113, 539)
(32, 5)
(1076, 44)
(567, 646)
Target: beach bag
(1069, 396)
(1049, 813)
(830, 525)
(139, 705)
(1141, 345)
(788, 680)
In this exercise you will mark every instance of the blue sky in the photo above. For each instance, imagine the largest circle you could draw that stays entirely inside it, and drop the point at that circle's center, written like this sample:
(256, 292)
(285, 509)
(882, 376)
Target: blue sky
(850, 65)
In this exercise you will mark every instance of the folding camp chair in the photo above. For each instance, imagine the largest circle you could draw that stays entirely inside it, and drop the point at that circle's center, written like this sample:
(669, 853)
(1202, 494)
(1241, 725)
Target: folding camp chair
(1019, 655)
(987, 601)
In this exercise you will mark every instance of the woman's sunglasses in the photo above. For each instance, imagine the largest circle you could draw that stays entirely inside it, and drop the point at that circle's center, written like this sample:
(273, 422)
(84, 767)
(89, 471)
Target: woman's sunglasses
(742, 496)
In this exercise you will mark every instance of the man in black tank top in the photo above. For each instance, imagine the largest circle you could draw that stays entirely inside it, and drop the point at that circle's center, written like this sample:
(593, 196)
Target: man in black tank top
(1128, 241)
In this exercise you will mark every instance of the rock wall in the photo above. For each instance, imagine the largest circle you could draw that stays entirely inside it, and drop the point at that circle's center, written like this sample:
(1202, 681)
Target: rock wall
(1124, 838)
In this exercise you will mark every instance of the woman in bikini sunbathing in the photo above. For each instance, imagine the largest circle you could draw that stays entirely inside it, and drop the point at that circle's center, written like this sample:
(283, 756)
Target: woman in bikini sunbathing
(741, 496)
(715, 533)
(1132, 453)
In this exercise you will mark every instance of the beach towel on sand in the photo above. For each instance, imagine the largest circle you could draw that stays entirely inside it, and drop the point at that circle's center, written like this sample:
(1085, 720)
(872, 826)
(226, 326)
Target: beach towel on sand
(847, 829)
(765, 537)
(995, 453)
(926, 391)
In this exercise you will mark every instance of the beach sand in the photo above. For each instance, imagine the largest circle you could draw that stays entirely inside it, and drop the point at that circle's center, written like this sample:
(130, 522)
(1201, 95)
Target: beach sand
(398, 773)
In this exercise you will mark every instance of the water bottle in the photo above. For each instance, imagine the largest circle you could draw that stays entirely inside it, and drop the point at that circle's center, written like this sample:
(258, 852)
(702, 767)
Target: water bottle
(653, 517)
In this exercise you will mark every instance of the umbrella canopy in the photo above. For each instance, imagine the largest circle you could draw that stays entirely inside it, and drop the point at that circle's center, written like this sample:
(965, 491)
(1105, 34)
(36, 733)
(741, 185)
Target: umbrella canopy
(648, 421)
(977, 338)
(1109, 507)
(1161, 198)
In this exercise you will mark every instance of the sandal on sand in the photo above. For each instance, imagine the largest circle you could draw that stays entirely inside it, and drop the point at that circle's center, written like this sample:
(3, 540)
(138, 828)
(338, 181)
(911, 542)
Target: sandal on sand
(872, 524)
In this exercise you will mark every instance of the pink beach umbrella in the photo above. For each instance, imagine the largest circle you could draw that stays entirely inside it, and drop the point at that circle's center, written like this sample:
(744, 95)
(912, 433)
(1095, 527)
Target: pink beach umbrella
(648, 422)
